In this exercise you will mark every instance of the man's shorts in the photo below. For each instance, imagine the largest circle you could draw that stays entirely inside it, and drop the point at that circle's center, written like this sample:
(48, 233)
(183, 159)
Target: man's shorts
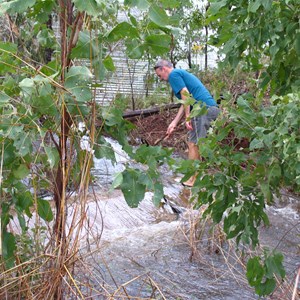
(202, 123)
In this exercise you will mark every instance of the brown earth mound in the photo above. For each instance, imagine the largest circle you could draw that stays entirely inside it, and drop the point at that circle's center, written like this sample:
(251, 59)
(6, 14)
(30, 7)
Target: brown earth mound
(151, 130)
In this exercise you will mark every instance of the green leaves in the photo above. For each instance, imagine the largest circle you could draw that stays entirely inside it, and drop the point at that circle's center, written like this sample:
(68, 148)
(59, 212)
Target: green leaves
(172, 3)
(253, 30)
(77, 82)
(87, 47)
(4, 99)
(134, 183)
(52, 156)
(108, 63)
(91, 47)
(138, 40)
(155, 43)
(150, 155)
(46, 38)
(141, 4)
(254, 6)
(121, 31)
(21, 141)
(158, 44)
(135, 48)
(158, 194)
(8, 47)
(38, 93)
(158, 15)
(255, 271)
(8, 249)
(41, 11)
(21, 172)
(215, 6)
(8, 62)
(24, 202)
(33, 96)
(262, 272)
(132, 189)
(256, 144)
(103, 149)
(91, 7)
(274, 265)
(15, 6)
(297, 43)
(44, 210)
(198, 110)
(245, 179)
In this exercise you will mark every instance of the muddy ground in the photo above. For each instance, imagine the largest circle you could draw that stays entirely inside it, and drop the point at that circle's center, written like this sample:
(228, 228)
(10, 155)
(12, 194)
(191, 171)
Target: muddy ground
(152, 129)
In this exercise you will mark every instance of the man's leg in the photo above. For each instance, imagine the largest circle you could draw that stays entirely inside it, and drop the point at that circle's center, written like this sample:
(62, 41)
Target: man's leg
(193, 153)
(200, 127)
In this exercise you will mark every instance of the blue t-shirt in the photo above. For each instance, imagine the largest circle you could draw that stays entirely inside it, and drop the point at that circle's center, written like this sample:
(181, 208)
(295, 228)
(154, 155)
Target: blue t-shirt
(180, 79)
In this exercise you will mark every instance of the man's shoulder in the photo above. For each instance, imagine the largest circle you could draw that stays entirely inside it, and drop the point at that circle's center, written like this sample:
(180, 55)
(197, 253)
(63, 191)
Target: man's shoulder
(177, 72)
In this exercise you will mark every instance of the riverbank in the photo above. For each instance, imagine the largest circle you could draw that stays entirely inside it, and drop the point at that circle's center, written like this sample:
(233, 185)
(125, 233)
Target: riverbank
(154, 253)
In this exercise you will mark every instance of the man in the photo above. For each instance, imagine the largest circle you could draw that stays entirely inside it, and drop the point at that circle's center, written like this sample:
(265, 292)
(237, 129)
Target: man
(185, 84)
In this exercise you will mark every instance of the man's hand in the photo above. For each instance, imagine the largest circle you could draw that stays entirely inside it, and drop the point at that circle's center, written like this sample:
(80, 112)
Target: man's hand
(170, 129)
(188, 125)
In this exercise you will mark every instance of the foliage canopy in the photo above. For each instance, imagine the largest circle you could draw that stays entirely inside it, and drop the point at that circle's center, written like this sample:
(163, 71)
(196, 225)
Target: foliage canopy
(45, 92)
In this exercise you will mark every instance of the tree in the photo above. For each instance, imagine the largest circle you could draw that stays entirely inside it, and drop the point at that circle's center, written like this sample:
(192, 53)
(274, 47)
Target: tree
(42, 105)
(264, 35)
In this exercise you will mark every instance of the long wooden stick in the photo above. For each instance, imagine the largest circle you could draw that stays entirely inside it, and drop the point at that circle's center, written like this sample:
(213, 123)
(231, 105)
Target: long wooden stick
(150, 111)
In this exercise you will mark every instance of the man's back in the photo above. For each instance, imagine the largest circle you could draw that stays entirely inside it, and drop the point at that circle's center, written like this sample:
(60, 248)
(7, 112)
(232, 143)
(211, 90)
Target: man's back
(179, 79)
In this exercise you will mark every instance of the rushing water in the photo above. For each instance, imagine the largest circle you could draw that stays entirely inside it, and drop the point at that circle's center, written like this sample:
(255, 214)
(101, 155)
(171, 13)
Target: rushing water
(146, 253)
(154, 253)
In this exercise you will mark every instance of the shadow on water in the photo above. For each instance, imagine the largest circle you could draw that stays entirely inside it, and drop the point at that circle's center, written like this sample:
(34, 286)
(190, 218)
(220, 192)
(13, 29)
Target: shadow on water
(164, 253)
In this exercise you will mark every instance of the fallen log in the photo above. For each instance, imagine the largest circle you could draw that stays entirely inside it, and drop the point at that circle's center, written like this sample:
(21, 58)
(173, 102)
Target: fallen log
(150, 111)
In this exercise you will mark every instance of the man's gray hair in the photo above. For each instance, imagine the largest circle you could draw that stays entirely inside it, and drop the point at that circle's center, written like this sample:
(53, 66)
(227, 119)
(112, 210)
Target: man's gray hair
(163, 63)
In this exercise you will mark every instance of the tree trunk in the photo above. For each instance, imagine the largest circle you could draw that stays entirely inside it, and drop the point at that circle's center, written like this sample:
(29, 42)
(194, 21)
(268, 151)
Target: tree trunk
(206, 41)
(67, 22)
(206, 48)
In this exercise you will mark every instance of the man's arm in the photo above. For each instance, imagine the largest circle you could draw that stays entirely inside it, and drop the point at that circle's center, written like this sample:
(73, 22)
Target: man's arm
(174, 123)
(183, 110)
(184, 93)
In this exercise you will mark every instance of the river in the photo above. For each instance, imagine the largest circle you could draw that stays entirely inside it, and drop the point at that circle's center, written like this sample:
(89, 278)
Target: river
(154, 253)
